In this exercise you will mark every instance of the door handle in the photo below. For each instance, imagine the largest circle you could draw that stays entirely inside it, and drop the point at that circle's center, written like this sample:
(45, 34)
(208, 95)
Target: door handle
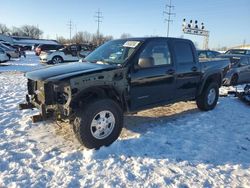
(170, 71)
(194, 69)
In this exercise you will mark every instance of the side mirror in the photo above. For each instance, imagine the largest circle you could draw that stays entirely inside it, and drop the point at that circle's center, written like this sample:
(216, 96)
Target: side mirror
(146, 62)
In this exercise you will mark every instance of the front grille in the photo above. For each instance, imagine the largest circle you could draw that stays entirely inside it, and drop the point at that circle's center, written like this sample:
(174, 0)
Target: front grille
(42, 93)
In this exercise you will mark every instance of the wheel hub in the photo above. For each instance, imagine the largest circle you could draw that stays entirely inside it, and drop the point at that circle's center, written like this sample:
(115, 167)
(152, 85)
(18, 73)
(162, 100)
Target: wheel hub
(211, 96)
(102, 124)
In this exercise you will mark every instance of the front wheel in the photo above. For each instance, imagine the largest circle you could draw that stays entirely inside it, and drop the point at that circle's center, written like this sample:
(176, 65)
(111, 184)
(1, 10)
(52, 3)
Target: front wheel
(57, 59)
(209, 97)
(99, 123)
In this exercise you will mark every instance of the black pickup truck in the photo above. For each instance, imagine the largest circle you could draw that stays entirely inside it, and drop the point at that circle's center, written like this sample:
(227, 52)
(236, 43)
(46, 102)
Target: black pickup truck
(122, 76)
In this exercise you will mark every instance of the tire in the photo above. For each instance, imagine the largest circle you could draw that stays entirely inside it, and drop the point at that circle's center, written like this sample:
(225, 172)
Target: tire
(57, 60)
(99, 124)
(234, 80)
(209, 97)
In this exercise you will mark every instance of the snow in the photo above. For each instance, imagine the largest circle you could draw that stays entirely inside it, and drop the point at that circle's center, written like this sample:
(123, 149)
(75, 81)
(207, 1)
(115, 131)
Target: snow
(174, 146)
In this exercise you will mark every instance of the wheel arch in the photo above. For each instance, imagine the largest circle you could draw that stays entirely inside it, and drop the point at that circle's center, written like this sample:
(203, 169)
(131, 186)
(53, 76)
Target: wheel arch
(215, 77)
(98, 92)
(57, 56)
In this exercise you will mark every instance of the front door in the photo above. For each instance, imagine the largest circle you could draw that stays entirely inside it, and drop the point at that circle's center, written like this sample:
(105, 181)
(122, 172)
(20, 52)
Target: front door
(244, 67)
(153, 79)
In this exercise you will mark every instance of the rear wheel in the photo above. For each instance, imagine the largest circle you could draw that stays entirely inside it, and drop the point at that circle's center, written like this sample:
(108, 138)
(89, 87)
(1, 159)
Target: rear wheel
(209, 97)
(57, 59)
(99, 124)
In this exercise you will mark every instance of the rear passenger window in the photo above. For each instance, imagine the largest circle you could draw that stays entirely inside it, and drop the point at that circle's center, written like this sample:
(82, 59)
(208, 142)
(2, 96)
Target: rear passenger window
(184, 53)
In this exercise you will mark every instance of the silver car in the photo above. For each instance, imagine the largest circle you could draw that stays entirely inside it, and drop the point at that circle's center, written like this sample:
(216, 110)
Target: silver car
(11, 52)
(239, 72)
(3, 56)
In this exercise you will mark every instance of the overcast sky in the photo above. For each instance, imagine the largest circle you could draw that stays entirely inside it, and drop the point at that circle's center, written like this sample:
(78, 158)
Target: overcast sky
(227, 20)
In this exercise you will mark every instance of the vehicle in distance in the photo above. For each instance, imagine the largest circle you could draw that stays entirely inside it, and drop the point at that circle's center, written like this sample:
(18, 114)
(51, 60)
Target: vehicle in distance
(239, 72)
(3, 56)
(122, 76)
(238, 51)
(207, 54)
(47, 47)
(71, 53)
(11, 52)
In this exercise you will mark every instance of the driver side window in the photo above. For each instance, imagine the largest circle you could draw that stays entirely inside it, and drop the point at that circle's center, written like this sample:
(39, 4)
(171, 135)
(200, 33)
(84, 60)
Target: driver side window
(155, 53)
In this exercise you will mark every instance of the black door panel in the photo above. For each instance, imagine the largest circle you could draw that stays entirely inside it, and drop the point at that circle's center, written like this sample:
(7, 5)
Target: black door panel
(150, 86)
(155, 83)
(188, 73)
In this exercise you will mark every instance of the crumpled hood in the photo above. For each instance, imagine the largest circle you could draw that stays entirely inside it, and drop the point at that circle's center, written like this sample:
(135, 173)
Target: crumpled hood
(62, 71)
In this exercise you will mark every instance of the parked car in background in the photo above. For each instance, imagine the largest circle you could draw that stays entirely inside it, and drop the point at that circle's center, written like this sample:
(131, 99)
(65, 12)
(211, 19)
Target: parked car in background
(208, 54)
(239, 51)
(11, 52)
(70, 53)
(239, 72)
(8, 44)
(3, 56)
(47, 47)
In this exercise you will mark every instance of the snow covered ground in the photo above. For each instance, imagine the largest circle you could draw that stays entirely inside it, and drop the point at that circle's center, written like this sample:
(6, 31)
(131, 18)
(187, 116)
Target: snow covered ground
(176, 146)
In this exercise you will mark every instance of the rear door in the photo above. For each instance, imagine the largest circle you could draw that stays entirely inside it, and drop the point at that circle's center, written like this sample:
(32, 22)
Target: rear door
(188, 74)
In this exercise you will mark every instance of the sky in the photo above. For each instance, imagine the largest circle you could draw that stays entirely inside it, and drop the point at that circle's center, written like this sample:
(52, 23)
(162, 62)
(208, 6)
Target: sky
(227, 20)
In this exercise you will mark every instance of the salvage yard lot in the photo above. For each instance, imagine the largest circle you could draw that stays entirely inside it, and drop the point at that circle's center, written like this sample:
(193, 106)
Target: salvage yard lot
(167, 146)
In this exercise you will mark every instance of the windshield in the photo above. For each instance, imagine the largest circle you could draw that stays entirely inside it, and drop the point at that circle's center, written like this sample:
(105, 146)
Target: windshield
(5, 47)
(236, 52)
(113, 52)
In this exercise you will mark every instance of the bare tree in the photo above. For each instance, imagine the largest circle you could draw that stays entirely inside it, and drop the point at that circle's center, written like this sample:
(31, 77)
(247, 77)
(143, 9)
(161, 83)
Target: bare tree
(125, 35)
(78, 38)
(62, 40)
(4, 29)
(101, 39)
(16, 31)
(87, 36)
(31, 31)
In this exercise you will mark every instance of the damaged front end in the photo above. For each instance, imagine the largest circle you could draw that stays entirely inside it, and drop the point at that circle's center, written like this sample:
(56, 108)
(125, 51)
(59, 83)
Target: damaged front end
(51, 99)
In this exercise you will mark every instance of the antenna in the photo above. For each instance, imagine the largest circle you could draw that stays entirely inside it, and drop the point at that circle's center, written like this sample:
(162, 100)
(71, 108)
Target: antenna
(168, 13)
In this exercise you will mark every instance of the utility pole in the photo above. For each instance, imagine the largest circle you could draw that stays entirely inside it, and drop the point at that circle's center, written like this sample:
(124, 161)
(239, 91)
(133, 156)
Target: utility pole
(70, 29)
(168, 13)
(98, 17)
(244, 43)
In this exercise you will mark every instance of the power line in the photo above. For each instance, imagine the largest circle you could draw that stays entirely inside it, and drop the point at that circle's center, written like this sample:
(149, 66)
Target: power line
(168, 13)
(99, 18)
